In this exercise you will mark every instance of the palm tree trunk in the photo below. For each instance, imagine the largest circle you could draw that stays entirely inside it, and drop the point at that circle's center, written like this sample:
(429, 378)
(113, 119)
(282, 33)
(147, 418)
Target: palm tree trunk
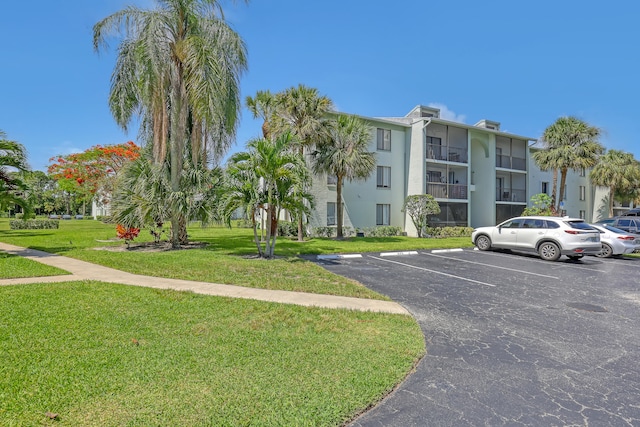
(554, 189)
(563, 183)
(339, 218)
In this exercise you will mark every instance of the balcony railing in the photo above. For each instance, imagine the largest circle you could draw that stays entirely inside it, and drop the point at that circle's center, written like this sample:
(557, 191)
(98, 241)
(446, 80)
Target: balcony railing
(511, 195)
(451, 154)
(447, 191)
(509, 162)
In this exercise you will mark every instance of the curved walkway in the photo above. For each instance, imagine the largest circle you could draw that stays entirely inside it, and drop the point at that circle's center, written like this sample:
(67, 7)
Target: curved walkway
(82, 270)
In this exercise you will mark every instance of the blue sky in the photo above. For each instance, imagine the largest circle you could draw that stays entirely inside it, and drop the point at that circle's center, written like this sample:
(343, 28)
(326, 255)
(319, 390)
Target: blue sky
(521, 63)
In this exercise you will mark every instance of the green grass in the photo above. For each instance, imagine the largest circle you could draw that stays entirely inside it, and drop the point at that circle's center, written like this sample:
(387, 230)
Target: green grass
(68, 348)
(225, 259)
(13, 266)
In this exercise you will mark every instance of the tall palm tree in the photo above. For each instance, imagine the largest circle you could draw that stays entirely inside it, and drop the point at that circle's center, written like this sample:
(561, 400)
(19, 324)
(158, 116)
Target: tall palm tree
(571, 144)
(13, 159)
(619, 171)
(263, 105)
(302, 111)
(178, 68)
(344, 153)
(279, 175)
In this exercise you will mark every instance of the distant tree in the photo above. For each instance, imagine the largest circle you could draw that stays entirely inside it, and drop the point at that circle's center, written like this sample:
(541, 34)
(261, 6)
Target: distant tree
(93, 170)
(419, 207)
(13, 159)
(542, 205)
(40, 190)
(620, 172)
(343, 153)
(570, 143)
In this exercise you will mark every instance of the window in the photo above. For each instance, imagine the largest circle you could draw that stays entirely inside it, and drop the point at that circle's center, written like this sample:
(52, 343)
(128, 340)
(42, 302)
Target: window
(383, 213)
(583, 214)
(583, 172)
(545, 188)
(332, 180)
(583, 192)
(384, 177)
(434, 148)
(331, 213)
(384, 139)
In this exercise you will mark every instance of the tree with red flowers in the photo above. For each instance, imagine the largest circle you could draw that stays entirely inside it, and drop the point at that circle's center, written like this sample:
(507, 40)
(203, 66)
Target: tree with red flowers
(92, 171)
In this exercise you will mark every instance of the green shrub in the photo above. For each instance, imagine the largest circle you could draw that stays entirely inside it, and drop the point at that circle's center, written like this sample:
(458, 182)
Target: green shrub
(444, 232)
(324, 231)
(382, 231)
(287, 229)
(34, 224)
(244, 223)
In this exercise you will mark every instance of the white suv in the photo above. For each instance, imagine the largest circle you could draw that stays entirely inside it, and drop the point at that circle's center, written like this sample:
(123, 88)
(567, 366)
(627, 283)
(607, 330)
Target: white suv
(549, 236)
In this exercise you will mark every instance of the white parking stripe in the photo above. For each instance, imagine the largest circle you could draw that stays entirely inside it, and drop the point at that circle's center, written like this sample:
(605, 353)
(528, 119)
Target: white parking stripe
(553, 264)
(493, 266)
(338, 256)
(434, 272)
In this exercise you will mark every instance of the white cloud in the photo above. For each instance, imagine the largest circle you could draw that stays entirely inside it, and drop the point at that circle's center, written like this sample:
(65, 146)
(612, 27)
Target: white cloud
(447, 114)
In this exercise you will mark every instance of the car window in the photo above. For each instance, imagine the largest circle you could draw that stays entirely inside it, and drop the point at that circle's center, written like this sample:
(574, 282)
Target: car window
(614, 229)
(514, 223)
(531, 223)
(623, 222)
(551, 224)
(580, 225)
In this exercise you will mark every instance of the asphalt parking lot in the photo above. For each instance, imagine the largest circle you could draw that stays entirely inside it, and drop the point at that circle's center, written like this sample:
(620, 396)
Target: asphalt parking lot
(511, 339)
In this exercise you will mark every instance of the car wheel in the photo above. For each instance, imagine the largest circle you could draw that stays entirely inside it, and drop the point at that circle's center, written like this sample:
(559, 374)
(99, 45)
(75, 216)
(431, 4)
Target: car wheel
(549, 251)
(606, 251)
(483, 243)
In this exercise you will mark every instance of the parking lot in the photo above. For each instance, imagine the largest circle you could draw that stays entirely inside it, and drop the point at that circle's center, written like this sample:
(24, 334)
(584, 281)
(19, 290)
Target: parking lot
(511, 339)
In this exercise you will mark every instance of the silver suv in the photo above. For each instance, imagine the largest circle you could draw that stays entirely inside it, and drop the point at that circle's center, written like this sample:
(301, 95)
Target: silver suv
(551, 237)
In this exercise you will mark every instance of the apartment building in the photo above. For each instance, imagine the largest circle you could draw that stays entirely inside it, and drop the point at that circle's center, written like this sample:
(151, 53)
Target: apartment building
(581, 198)
(478, 174)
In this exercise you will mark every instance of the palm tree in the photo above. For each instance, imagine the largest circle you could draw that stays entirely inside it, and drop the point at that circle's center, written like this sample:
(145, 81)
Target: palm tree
(143, 195)
(344, 153)
(178, 68)
(570, 143)
(619, 171)
(302, 111)
(278, 175)
(263, 105)
(13, 159)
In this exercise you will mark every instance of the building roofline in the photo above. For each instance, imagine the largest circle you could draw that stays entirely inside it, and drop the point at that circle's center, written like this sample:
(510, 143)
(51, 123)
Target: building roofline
(408, 122)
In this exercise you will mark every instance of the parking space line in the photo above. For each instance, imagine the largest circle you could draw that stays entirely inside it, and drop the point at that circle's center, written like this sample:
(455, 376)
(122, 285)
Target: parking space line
(554, 264)
(492, 266)
(433, 271)
(340, 256)
(399, 253)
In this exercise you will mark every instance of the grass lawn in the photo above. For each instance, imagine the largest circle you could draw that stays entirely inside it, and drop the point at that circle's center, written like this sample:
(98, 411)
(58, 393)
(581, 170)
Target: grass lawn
(13, 266)
(226, 258)
(100, 354)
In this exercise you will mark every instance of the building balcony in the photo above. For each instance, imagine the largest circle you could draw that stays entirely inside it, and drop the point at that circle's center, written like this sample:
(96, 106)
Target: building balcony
(445, 153)
(511, 195)
(447, 191)
(509, 162)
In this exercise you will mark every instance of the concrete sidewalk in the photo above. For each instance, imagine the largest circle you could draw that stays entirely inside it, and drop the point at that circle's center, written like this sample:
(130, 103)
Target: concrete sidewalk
(81, 270)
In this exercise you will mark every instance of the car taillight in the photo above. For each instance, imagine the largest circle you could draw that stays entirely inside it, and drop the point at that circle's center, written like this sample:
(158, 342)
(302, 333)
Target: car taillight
(626, 238)
(572, 231)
